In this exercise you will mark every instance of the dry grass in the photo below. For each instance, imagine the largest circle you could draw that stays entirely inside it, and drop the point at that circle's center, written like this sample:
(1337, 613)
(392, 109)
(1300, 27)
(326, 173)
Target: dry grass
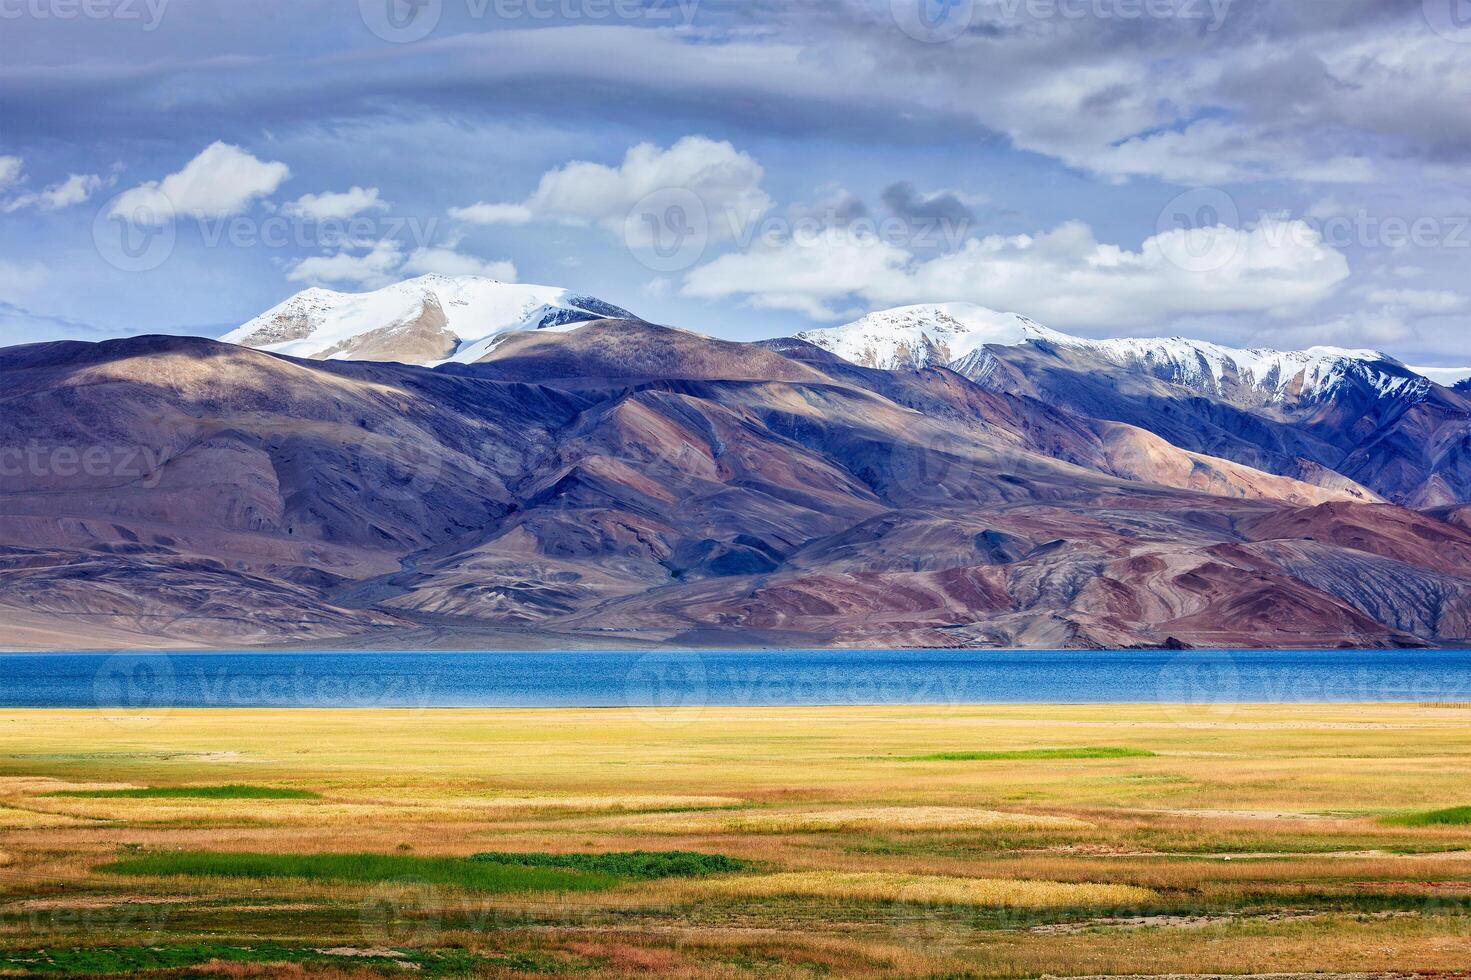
(928, 890)
(1243, 817)
(854, 819)
(14, 818)
(592, 804)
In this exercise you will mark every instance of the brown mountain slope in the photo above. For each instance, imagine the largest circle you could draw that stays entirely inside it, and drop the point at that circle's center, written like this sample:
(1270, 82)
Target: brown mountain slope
(625, 482)
(1409, 442)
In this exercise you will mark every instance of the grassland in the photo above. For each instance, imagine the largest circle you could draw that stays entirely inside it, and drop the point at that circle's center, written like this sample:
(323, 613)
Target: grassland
(988, 842)
(1026, 755)
(233, 792)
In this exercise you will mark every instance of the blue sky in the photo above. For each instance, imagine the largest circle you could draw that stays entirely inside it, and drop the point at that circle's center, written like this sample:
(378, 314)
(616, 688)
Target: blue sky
(1259, 173)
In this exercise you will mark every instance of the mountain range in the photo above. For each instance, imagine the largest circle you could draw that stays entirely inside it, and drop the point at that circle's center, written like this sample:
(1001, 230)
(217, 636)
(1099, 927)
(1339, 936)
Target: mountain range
(454, 462)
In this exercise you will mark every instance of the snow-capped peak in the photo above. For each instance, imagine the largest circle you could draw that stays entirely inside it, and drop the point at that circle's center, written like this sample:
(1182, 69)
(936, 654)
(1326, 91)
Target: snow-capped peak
(1213, 368)
(428, 320)
(957, 334)
(920, 336)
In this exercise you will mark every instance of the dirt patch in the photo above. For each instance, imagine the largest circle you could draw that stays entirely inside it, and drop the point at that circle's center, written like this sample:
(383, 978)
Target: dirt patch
(1194, 921)
(1263, 976)
(1242, 814)
(1166, 922)
(376, 953)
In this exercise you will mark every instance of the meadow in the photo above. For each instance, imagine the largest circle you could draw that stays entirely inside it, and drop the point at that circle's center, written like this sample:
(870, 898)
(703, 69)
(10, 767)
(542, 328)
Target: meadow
(755, 842)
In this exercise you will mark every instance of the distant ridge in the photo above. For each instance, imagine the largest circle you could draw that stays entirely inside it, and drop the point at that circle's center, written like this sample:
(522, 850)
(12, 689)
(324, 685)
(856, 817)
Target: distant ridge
(428, 320)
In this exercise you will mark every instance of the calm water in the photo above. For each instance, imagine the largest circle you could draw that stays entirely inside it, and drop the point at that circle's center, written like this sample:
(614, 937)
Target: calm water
(663, 681)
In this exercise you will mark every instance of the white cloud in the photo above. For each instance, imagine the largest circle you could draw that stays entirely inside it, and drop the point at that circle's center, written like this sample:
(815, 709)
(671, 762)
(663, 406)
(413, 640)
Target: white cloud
(1063, 277)
(223, 180)
(696, 174)
(1168, 101)
(1213, 151)
(1363, 328)
(76, 189)
(493, 214)
(372, 268)
(449, 262)
(1418, 300)
(384, 262)
(331, 206)
(804, 275)
(17, 278)
(11, 169)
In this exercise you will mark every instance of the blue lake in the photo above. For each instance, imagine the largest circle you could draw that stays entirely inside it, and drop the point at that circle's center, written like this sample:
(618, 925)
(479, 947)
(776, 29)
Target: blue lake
(145, 682)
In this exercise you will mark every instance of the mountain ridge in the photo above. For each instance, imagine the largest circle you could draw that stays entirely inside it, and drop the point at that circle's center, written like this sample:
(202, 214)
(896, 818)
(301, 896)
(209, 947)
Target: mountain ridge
(745, 495)
(1359, 413)
(429, 320)
(581, 478)
(917, 336)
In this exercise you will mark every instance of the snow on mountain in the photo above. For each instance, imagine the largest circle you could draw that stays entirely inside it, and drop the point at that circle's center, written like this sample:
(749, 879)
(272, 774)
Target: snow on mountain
(957, 334)
(919, 336)
(1304, 375)
(429, 320)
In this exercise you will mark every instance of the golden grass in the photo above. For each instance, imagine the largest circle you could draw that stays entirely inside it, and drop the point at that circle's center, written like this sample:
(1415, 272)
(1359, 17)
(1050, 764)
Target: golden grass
(928, 890)
(592, 804)
(335, 811)
(1293, 796)
(41, 785)
(854, 819)
(12, 818)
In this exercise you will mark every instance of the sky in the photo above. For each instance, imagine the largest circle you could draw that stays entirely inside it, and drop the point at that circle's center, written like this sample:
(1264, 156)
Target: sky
(1284, 174)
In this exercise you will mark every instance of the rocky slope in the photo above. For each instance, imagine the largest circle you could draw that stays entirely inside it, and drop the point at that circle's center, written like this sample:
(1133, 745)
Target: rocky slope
(1315, 415)
(628, 483)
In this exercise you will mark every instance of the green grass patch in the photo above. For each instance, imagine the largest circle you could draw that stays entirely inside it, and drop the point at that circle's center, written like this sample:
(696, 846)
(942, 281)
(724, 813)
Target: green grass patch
(236, 792)
(1456, 816)
(1090, 752)
(640, 865)
(124, 960)
(481, 876)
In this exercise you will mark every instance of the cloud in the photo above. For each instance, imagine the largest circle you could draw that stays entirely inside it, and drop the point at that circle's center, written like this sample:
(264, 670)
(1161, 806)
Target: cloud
(696, 174)
(76, 189)
(493, 214)
(944, 207)
(11, 169)
(371, 269)
(1064, 277)
(1362, 328)
(838, 207)
(383, 262)
(330, 206)
(1367, 78)
(1214, 151)
(1418, 300)
(802, 276)
(17, 279)
(449, 262)
(223, 180)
